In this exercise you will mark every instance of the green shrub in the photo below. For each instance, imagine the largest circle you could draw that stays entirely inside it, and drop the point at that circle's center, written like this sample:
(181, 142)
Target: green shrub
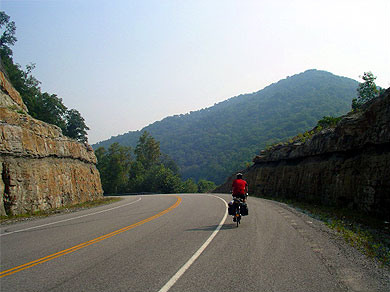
(328, 122)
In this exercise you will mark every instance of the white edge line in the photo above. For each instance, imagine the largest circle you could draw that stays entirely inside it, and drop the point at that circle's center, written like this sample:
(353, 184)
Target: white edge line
(184, 268)
(78, 217)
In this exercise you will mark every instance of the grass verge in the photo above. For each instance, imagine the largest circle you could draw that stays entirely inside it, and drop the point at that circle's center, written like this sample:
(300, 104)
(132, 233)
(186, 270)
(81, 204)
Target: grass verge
(369, 235)
(64, 209)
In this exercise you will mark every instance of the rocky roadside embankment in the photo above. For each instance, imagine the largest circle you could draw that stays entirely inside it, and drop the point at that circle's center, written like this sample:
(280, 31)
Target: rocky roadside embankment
(345, 166)
(40, 168)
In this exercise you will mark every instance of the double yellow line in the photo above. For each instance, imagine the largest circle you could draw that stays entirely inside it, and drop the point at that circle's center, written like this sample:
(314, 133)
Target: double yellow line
(87, 243)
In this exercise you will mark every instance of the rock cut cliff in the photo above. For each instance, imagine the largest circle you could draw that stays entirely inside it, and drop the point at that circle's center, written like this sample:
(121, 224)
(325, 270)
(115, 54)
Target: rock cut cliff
(346, 166)
(40, 168)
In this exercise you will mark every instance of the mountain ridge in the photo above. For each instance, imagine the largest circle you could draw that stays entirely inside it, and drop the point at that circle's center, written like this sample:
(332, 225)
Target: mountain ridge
(210, 142)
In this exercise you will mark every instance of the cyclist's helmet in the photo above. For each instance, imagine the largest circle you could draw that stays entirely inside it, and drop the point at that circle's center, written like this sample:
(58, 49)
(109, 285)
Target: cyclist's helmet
(239, 175)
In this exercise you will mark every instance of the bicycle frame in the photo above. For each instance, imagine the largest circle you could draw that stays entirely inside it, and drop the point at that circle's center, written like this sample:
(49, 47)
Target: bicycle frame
(237, 202)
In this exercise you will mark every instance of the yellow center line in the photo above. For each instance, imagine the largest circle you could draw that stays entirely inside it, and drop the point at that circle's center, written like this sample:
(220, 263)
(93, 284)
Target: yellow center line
(87, 243)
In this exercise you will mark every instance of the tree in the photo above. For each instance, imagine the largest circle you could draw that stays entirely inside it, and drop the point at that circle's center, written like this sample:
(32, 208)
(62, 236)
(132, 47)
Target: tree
(7, 38)
(153, 171)
(169, 163)
(367, 90)
(169, 183)
(75, 126)
(50, 109)
(189, 186)
(162, 180)
(147, 150)
(102, 165)
(205, 186)
(137, 174)
(114, 165)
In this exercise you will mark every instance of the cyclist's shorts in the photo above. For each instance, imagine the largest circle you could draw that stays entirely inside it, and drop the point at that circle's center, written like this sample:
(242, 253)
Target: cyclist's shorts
(241, 196)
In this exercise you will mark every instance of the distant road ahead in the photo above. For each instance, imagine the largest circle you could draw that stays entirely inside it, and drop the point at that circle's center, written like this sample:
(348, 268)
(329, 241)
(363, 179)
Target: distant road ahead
(143, 242)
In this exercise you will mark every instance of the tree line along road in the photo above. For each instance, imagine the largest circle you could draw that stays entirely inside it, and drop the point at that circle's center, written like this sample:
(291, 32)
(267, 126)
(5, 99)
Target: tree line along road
(183, 242)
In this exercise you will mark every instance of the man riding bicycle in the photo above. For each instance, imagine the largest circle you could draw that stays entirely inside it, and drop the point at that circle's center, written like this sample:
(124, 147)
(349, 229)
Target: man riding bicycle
(240, 190)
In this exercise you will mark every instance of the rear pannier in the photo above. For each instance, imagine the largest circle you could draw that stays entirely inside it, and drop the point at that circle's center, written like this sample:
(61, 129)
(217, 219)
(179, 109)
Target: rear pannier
(244, 209)
(231, 210)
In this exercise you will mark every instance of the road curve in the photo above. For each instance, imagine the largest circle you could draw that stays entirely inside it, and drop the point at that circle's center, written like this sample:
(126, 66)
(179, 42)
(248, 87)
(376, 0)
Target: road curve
(142, 242)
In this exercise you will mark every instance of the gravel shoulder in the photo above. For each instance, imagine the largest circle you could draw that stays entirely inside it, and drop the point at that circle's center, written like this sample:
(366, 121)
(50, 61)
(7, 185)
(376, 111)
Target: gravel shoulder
(354, 270)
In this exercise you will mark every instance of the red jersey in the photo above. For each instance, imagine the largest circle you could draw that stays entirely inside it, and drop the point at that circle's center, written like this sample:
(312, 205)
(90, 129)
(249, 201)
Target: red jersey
(239, 187)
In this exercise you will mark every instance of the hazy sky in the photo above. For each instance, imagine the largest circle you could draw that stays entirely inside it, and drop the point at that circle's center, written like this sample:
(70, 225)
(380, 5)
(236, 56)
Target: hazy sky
(126, 64)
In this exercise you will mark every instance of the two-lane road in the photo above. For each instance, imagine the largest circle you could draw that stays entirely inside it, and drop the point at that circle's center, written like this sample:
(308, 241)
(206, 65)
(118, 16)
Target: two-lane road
(178, 243)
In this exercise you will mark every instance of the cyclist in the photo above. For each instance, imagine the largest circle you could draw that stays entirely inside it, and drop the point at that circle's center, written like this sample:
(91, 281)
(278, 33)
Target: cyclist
(239, 188)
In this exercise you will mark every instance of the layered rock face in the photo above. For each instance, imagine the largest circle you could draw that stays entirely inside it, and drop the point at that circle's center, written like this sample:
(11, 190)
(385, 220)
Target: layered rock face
(346, 166)
(40, 168)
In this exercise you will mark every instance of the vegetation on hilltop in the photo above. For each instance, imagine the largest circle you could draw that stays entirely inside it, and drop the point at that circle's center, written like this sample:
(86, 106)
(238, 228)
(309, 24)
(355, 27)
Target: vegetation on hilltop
(41, 105)
(366, 91)
(214, 142)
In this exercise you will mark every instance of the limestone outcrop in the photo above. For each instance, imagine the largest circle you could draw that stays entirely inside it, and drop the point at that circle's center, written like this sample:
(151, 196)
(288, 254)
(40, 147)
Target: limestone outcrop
(40, 168)
(346, 166)
(9, 96)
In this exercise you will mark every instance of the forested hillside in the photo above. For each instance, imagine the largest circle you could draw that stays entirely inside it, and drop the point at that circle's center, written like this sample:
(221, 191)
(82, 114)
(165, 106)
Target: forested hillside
(214, 142)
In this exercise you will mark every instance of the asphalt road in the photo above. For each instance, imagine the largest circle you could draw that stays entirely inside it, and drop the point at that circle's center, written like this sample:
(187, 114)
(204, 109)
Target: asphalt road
(142, 243)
